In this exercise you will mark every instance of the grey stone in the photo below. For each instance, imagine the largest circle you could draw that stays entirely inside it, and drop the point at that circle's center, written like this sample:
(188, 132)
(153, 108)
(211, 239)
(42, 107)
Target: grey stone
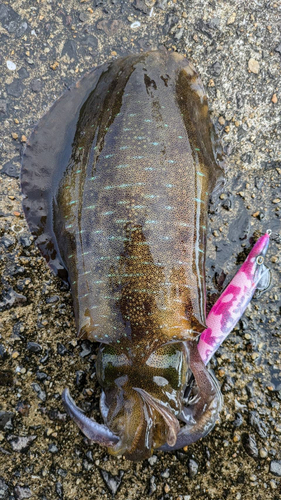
(86, 348)
(259, 181)
(275, 467)
(10, 299)
(52, 300)
(80, 378)
(6, 420)
(11, 21)
(10, 169)
(216, 68)
(112, 482)
(4, 488)
(69, 48)
(179, 33)
(61, 349)
(41, 376)
(7, 242)
(90, 41)
(170, 22)
(141, 6)
(3, 106)
(83, 17)
(238, 420)
(258, 425)
(25, 241)
(192, 467)
(34, 347)
(162, 4)
(59, 489)
(36, 85)
(40, 393)
(4, 11)
(250, 445)
(152, 486)
(23, 73)
(22, 492)
(108, 26)
(53, 448)
(20, 443)
(15, 88)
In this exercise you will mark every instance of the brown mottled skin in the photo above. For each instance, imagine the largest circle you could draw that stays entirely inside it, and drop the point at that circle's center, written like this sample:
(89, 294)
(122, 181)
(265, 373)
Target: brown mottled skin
(120, 203)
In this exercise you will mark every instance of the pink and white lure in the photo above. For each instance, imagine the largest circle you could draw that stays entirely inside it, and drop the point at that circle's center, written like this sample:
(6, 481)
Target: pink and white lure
(230, 306)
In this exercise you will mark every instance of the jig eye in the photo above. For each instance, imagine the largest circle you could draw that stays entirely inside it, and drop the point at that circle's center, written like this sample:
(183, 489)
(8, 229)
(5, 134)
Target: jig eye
(260, 259)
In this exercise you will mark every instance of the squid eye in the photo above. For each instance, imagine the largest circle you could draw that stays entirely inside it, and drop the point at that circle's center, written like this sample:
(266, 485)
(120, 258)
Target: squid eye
(260, 259)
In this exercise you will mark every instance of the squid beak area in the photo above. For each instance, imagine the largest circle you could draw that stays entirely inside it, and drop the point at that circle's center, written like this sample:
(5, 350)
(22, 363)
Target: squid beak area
(171, 423)
(94, 431)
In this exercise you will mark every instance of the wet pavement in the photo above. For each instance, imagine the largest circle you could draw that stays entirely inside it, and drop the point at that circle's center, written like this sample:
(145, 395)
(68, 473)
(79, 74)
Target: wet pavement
(46, 47)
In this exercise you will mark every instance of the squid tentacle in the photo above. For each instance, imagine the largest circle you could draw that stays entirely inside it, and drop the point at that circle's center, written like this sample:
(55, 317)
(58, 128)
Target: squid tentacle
(91, 429)
(200, 415)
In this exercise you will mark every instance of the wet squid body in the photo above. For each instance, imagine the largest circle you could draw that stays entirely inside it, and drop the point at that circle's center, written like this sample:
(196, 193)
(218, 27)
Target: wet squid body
(116, 181)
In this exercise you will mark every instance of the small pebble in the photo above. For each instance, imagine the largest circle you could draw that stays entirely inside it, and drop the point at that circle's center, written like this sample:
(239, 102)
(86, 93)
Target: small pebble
(11, 65)
(254, 66)
(54, 66)
(36, 85)
(22, 492)
(166, 474)
(53, 448)
(20, 443)
(250, 445)
(83, 17)
(276, 200)
(34, 347)
(61, 349)
(167, 488)
(6, 420)
(273, 484)
(112, 482)
(41, 375)
(40, 393)
(275, 467)
(231, 18)
(152, 486)
(135, 25)
(152, 460)
(4, 489)
(274, 99)
(192, 468)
